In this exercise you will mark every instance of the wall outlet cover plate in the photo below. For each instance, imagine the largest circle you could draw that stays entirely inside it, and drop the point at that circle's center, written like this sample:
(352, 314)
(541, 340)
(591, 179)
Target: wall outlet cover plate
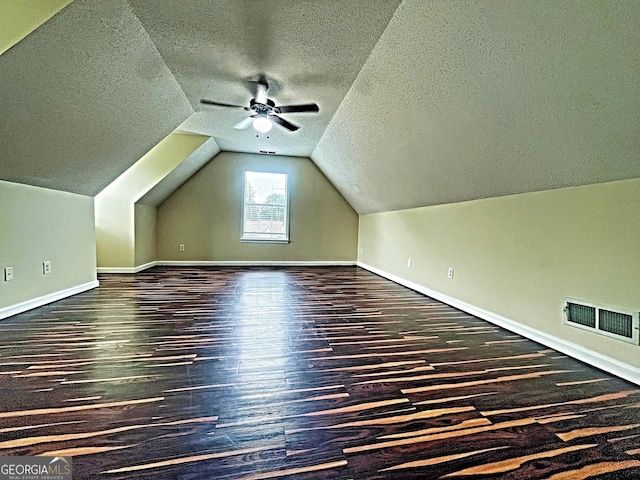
(8, 274)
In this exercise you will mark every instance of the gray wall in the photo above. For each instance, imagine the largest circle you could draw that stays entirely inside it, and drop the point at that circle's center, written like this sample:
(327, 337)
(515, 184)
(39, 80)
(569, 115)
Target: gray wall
(37, 224)
(145, 234)
(519, 256)
(205, 215)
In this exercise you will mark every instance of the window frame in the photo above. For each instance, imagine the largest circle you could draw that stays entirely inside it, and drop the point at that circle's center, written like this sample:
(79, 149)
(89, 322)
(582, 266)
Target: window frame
(287, 216)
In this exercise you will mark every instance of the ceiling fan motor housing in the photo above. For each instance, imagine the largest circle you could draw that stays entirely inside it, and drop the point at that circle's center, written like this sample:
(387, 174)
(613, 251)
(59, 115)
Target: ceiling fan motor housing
(268, 108)
(264, 108)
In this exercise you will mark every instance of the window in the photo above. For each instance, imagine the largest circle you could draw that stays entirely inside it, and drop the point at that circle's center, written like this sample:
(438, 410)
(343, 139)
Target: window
(265, 216)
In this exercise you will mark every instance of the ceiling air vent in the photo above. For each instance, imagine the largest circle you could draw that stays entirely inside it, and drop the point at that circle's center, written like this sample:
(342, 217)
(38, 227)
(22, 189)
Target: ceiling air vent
(617, 323)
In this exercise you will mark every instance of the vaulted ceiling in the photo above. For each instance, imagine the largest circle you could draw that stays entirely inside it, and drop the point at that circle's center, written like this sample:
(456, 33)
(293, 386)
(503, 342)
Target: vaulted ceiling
(421, 103)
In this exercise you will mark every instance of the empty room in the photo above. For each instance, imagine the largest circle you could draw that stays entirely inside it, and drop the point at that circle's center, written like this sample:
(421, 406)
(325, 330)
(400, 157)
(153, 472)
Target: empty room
(337, 239)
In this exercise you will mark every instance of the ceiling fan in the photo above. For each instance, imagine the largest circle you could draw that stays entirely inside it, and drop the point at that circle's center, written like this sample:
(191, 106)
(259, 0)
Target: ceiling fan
(264, 111)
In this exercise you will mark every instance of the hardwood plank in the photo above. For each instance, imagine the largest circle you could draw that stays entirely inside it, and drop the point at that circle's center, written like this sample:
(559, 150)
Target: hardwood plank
(306, 373)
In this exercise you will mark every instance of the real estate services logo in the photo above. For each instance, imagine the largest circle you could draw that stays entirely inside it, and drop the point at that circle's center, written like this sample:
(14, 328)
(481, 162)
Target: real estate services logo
(35, 468)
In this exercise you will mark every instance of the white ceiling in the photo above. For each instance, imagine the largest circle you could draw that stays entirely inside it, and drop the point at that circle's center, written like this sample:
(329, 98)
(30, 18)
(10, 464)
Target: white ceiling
(309, 51)
(84, 97)
(435, 102)
(464, 100)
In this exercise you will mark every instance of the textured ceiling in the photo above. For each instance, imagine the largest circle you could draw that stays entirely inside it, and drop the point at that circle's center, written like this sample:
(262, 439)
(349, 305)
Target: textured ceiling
(83, 97)
(465, 100)
(309, 51)
(422, 104)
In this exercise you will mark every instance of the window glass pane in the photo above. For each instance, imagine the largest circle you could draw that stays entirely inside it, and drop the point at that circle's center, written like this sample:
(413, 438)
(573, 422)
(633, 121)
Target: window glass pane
(265, 206)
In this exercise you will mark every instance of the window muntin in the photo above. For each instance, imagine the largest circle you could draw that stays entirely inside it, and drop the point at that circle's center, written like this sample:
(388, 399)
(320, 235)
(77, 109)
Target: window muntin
(265, 213)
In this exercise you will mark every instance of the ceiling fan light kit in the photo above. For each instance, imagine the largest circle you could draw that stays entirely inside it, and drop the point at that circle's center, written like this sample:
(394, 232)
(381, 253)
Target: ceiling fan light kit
(264, 111)
(262, 124)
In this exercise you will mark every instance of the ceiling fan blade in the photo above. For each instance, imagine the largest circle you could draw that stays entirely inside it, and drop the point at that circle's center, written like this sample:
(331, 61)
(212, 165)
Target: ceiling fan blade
(219, 104)
(306, 107)
(261, 92)
(244, 123)
(284, 123)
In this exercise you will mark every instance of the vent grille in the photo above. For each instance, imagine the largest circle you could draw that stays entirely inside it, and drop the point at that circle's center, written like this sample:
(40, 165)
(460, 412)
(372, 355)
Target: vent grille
(581, 314)
(616, 323)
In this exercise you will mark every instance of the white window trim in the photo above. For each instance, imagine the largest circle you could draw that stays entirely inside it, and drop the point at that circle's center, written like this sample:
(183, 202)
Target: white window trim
(287, 205)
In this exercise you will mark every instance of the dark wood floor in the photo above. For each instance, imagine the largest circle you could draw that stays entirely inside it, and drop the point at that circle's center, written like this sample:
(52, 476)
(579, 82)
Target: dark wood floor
(317, 373)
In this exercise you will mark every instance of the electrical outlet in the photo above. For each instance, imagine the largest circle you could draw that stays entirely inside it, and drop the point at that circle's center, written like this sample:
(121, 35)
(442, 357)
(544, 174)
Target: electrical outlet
(409, 263)
(46, 267)
(450, 272)
(182, 247)
(8, 274)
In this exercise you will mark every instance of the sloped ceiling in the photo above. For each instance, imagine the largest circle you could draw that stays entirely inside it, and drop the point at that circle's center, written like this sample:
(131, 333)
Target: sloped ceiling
(83, 97)
(465, 100)
(308, 50)
(432, 102)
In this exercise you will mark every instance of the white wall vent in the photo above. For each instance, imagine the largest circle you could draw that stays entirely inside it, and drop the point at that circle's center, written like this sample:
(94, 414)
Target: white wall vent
(613, 322)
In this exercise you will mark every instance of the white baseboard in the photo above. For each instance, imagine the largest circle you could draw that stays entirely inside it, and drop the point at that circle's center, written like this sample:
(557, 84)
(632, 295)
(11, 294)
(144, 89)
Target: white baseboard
(250, 263)
(215, 263)
(595, 359)
(137, 269)
(45, 299)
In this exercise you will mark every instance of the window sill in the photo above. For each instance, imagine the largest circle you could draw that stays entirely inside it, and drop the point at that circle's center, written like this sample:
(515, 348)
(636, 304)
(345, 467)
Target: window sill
(264, 240)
